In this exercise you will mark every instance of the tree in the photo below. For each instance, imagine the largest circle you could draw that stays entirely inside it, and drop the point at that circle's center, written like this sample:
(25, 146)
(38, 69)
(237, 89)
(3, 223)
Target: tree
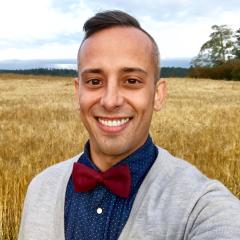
(218, 49)
(236, 49)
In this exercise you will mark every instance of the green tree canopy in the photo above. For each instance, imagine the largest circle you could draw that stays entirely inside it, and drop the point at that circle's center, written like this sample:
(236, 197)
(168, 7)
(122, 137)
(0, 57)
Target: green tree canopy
(218, 49)
(236, 49)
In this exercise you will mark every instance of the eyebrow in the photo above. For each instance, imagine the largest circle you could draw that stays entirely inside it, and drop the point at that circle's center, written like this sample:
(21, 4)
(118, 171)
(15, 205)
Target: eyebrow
(133, 69)
(124, 70)
(92, 70)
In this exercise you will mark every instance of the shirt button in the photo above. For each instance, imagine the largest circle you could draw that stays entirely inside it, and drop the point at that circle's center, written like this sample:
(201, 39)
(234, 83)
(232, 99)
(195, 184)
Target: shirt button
(99, 211)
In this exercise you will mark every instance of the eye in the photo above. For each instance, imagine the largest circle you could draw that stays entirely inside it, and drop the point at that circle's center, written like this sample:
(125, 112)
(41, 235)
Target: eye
(94, 82)
(132, 81)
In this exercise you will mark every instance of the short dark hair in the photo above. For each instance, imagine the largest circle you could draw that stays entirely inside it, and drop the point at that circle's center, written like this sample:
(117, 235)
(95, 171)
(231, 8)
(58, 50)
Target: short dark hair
(116, 18)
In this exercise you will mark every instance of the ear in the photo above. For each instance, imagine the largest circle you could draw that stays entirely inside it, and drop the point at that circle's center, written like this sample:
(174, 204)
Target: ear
(160, 94)
(76, 91)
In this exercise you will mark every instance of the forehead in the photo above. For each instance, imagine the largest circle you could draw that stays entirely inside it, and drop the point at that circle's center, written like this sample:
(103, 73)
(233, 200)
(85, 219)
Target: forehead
(125, 45)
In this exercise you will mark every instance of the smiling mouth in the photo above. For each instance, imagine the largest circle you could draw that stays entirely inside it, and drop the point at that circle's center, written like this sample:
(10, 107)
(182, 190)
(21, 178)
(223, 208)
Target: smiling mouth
(113, 122)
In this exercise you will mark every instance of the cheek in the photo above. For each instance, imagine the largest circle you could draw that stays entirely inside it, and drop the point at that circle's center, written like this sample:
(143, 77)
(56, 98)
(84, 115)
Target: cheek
(86, 101)
(142, 101)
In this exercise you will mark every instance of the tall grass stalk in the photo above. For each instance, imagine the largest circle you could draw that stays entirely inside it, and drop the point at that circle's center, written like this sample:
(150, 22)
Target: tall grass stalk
(39, 126)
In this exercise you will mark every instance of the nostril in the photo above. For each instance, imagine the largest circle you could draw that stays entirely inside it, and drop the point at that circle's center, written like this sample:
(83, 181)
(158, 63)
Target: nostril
(111, 99)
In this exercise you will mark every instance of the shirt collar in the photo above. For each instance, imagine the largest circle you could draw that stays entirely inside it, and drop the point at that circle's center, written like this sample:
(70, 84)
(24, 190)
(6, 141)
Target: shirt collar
(139, 161)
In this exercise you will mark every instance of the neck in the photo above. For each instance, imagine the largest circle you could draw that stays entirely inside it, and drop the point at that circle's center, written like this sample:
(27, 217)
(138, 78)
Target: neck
(105, 160)
(109, 160)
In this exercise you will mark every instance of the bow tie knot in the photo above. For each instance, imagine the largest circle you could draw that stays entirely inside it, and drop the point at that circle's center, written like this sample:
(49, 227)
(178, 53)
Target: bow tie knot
(116, 179)
(99, 178)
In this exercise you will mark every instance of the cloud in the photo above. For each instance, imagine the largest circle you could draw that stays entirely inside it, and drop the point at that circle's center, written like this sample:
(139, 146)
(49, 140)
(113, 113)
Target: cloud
(30, 20)
(180, 27)
(53, 28)
(53, 50)
(31, 28)
(171, 10)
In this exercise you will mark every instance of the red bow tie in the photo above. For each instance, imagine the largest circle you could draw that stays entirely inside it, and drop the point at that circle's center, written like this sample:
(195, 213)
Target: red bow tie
(116, 179)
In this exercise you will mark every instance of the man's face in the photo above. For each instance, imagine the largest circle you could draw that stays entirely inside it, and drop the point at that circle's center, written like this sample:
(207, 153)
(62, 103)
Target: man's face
(116, 90)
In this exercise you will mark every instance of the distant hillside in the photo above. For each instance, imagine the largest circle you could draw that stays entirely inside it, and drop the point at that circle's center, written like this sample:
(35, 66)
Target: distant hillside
(38, 63)
(67, 67)
(176, 62)
(44, 71)
(71, 63)
(165, 72)
(174, 72)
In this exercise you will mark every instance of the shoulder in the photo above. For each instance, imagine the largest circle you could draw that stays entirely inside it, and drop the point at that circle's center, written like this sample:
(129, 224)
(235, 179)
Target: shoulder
(177, 170)
(53, 175)
(177, 179)
(177, 201)
(177, 196)
(44, 201)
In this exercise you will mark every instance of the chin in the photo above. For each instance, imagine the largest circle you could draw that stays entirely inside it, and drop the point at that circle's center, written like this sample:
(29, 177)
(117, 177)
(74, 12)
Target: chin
(114, 149)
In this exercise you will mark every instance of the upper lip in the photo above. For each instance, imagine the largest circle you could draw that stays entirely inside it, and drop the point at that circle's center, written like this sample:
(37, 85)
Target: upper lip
(113, 117)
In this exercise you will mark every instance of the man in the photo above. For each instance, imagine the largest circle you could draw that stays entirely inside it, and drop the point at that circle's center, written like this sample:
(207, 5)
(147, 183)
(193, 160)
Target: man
(123, 186)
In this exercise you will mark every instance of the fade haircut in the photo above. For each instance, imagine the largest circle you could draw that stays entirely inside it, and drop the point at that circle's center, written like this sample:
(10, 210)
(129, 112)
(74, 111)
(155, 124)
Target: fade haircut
(116, 18)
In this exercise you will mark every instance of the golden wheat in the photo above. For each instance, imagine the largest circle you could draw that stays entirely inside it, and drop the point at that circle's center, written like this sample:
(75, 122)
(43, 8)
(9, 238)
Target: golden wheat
(39, 126)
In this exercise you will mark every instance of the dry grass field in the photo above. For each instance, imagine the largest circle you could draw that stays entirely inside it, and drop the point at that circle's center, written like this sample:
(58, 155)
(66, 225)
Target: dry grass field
(39, 126)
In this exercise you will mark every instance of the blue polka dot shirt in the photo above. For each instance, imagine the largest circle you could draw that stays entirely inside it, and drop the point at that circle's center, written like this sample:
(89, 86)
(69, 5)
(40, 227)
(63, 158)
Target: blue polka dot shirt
(99, 214)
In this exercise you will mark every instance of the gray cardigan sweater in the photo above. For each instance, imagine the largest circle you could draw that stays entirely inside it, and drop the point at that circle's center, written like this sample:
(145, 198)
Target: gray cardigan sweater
(174, 202)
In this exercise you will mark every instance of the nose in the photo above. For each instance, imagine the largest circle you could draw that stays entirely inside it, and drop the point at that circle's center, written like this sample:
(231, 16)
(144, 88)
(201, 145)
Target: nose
(112, 98)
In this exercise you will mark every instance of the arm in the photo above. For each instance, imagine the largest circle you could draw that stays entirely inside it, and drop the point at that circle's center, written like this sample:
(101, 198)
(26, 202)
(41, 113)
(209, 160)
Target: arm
(216, 215)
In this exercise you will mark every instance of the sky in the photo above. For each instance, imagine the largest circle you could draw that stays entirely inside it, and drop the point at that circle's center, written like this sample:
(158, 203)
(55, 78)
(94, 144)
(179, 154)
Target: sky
(52, 29)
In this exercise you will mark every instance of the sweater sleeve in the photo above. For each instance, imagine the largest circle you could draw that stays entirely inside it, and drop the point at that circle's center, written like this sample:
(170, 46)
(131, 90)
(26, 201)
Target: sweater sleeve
(43, 211)
(37, 211)
(216, 215)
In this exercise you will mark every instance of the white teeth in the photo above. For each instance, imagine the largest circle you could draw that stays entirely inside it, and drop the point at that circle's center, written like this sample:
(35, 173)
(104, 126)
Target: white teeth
(113, 123)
